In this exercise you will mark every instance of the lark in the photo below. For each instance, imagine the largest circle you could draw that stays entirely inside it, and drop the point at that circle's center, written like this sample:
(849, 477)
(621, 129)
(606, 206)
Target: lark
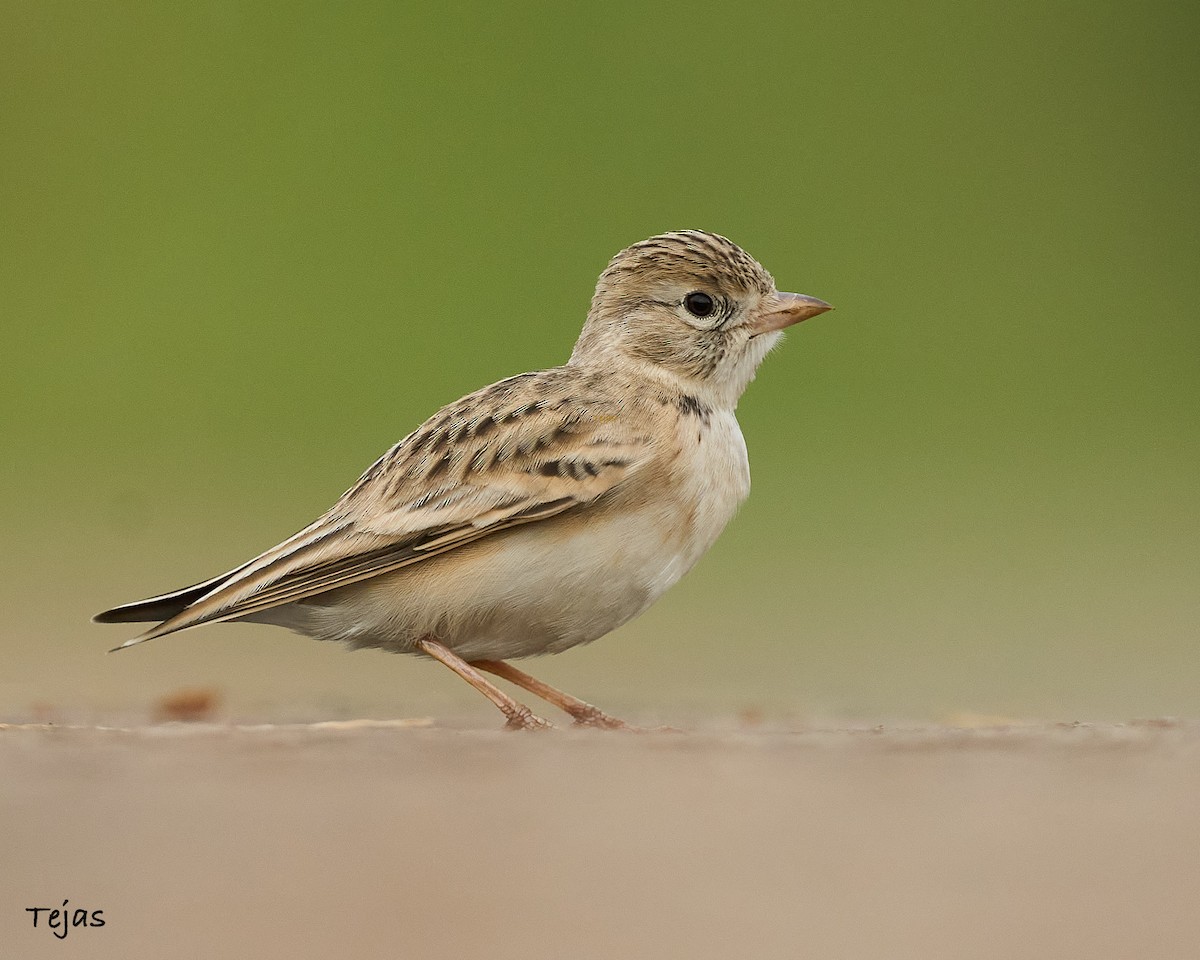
(545, 510)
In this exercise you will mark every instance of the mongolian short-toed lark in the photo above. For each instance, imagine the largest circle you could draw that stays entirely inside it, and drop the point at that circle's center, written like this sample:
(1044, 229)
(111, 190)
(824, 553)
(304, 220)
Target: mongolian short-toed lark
(547, 509)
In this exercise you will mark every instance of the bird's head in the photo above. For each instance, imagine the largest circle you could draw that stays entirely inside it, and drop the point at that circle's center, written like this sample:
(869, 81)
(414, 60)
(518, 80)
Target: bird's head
(694, 306)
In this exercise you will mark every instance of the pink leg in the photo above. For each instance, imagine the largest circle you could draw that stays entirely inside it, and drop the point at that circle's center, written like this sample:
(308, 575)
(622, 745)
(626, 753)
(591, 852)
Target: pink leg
(583, 713)
(520, 717)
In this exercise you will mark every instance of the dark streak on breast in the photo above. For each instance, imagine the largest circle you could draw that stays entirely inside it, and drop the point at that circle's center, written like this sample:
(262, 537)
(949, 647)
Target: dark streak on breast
(689, 406)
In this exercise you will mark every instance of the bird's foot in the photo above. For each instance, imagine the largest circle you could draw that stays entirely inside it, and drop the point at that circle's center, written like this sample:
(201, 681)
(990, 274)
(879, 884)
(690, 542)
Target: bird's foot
(525, 719)
(588, 716)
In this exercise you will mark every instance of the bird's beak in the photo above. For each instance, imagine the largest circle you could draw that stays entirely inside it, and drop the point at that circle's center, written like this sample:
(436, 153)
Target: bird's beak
(783, 310)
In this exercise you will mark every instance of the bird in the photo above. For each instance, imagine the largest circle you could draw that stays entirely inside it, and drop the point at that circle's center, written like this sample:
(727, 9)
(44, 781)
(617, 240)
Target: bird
(545, 510)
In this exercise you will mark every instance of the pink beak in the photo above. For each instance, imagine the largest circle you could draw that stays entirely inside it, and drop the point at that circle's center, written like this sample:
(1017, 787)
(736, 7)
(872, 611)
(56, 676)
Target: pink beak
(787, 308)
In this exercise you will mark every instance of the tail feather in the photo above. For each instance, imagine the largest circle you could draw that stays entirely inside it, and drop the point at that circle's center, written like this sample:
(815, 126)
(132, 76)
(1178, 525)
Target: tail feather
(158, 609)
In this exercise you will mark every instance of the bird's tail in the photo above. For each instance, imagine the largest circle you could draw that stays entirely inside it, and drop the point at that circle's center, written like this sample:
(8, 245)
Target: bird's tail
(158, 609)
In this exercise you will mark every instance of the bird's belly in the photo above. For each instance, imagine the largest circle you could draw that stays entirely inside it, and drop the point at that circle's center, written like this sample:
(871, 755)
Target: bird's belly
(536, 589)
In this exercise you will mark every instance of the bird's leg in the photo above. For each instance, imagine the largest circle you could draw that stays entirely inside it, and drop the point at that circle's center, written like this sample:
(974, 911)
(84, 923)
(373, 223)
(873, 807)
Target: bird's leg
(583, 713)
(520, 717)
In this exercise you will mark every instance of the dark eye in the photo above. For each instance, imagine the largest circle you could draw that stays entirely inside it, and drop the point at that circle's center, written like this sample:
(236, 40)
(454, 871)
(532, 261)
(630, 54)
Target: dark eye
(699, 304)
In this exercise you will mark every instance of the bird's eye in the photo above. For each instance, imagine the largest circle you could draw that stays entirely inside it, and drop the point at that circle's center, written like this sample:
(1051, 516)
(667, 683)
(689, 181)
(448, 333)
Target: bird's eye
(699, 304)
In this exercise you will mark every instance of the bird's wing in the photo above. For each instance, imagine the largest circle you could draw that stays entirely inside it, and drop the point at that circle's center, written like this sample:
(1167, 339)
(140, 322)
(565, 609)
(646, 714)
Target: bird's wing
(517, 452)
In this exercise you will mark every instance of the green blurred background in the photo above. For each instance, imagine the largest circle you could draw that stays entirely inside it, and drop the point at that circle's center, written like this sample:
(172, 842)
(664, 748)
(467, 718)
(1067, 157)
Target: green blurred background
(248, 246)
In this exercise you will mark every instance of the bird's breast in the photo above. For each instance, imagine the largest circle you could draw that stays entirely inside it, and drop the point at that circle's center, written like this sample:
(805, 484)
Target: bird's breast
(710, 479)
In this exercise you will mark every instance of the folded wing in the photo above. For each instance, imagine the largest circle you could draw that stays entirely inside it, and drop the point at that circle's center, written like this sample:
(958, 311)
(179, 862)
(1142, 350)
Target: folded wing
(518, 452)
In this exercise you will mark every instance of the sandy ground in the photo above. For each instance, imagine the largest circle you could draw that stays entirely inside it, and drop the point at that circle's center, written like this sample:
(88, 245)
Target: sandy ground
(415, 840)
